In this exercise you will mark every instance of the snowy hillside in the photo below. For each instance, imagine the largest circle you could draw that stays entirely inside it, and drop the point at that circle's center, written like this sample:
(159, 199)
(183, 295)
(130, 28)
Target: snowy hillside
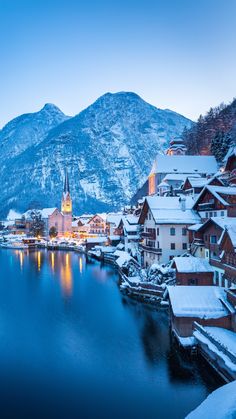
(108, 149)
(28, 129)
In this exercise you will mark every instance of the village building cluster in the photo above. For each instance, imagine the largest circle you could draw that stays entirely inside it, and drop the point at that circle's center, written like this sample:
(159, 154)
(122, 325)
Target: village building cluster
(179, 241)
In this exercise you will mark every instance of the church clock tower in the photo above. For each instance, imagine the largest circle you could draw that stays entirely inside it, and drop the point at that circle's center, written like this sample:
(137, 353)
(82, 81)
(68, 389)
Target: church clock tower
(66, 206)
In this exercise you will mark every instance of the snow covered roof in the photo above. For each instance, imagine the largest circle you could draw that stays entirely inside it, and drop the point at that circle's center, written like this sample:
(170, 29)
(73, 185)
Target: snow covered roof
(198, 183)
(231, 231)
(192, 264)
(217, 191)
(205, 302)
(168, 210)
(177, 176)
(220, 404)
(130, 222)
(195, 227)
(184, 164)
(46, 212)
(84, 218)
(114, 218)
(223, 223)
(123, 259)
(96, 239)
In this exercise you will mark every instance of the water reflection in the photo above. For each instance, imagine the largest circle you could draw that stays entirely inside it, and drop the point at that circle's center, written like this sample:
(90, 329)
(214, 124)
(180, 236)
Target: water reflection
(59, 262)
(53, 261)
(66, 275)
(39, 260)
(81, 265)
(101, 343)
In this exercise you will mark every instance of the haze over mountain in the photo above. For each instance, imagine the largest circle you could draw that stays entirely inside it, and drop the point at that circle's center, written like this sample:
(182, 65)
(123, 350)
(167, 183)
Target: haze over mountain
(108, 150)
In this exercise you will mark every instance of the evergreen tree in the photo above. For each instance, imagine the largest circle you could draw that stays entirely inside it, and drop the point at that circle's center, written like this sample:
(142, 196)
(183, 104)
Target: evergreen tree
(53, 232)
(37, 224)
(220, 145)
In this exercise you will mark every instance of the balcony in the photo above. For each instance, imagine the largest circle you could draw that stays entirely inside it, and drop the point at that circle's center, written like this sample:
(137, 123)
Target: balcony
(151, 249)
(147, 235)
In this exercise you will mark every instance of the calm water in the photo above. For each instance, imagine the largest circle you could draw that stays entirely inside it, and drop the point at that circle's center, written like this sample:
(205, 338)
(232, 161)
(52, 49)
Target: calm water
(72, 346)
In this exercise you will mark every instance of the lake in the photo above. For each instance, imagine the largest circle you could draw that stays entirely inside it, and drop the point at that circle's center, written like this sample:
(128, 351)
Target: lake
(71, 345)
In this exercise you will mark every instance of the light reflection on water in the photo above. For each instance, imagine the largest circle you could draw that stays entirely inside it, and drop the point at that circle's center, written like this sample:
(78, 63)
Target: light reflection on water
(66, 328)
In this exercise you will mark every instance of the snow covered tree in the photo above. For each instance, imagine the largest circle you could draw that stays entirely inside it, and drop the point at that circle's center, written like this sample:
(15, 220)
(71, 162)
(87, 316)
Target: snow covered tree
(220, 145)
(37, 224)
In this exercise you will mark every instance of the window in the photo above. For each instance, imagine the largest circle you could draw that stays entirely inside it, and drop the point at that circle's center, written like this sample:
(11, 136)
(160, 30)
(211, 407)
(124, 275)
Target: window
(206, 214)
(172, 246)
(158, 232)
(151, 243)
(172, 231)
(205, 237)
(213, 239)
(192, 281)
(185, 246)
(215, 214)
(222, 213)
(211, 214)
(184, 231)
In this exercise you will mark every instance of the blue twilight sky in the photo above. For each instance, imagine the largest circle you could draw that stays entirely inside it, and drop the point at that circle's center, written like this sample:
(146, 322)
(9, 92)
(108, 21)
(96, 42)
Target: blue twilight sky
(176, 54)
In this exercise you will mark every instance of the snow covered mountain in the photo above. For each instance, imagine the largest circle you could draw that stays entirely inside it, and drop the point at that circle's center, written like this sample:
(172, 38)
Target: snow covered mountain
(108, 150)
(28, 129)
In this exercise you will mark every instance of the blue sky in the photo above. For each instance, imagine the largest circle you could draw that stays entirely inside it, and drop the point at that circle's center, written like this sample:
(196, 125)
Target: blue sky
(176, 54)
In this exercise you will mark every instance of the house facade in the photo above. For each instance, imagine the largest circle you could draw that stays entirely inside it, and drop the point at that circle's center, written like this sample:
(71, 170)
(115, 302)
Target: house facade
(216, 201)
(164, 222)
(193, 271)
(214, 241)
(97, 224)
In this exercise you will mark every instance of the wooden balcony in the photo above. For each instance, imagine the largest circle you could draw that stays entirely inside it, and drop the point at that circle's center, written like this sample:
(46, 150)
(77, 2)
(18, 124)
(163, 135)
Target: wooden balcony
(151, 249)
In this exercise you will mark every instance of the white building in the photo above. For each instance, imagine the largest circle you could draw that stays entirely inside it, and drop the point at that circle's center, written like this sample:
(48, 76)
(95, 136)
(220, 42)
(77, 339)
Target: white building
(179, 165)
(165, 221)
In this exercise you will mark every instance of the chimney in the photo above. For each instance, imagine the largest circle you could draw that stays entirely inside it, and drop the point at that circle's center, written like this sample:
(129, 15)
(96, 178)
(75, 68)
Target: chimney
(182, 203)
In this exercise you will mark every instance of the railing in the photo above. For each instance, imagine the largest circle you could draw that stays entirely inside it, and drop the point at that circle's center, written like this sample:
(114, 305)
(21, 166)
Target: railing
(215, 342)
(152, 249)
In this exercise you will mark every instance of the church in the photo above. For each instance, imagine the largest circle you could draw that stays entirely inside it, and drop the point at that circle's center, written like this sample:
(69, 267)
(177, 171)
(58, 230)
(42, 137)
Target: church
(60, 220)
(177, 165)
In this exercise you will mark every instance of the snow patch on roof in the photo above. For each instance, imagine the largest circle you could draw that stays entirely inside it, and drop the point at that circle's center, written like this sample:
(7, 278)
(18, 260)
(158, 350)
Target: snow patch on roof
(184, 164)
(205, 302)
(192, 264)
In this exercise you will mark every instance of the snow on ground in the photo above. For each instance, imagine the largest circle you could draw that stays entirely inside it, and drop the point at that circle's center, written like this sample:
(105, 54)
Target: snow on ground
(224, 336)
(221, 404)
(215, 350)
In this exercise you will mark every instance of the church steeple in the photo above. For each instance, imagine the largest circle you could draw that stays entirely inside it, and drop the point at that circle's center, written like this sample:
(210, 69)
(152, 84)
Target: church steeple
(66, 183)
(66, 203)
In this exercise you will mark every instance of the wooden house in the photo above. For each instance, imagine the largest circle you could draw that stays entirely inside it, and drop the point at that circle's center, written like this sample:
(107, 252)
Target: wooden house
(216, 201)
(192, 271)
(193, 186)
(206, 305)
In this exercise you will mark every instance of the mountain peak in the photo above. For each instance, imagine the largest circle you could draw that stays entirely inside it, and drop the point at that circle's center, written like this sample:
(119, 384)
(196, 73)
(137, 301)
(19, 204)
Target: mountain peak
(50, 107)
